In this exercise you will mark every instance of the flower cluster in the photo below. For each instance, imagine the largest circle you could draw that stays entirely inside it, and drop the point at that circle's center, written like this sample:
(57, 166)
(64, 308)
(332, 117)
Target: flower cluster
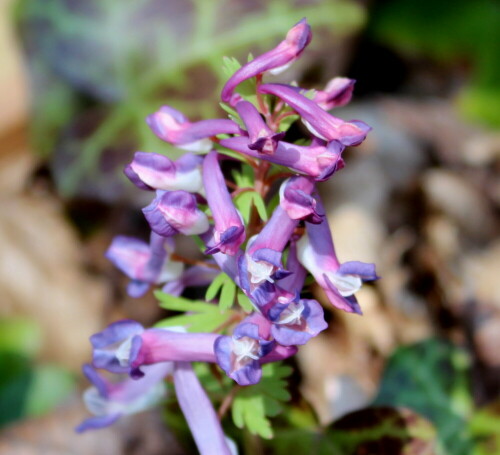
(267, 260)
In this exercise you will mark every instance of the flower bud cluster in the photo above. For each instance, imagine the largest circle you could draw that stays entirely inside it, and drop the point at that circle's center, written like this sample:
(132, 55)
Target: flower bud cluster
(192, 197)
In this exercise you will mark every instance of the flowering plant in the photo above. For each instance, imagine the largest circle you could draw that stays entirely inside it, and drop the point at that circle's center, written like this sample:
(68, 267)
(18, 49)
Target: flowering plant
(261, 229)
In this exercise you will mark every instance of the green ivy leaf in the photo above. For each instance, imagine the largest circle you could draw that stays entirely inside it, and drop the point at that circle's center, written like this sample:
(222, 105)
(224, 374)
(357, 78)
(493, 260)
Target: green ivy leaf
(252, 405)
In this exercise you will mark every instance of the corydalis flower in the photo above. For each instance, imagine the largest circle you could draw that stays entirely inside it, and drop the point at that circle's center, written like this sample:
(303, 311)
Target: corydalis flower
(173, 212)
(319, 160)
(337, 93)
(275, 60)
(144, 264)
(318, 121)
(173, 127)
(262, 138)
(229, 232)
(261, 266)
(296, 200)
(242, 354)
(151, 171)
(339, 281)
(110, 401)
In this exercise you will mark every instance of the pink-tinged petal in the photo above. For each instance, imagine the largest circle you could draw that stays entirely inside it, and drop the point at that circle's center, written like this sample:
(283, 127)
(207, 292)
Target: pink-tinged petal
(162, 345)
(337, 93)
(172, 212)
(317, 120)
(152, 171)
(340, 282)
(229, 232)
(275, 60)
(297, 201)
(110, 401)
(262, 138)
(173, 127)
(199, 412)
(317, 160)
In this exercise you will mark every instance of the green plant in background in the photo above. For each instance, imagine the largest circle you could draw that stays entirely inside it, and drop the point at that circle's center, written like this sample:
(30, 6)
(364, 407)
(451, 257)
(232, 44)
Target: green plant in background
(99, 67)
(449, 31)
(27, 389)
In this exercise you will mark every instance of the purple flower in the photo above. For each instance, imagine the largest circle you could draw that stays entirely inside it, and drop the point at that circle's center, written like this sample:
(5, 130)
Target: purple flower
(319, 122)
(317, 254)
(173, 127)
(261, 266)
(296, 199)
(275, 60)
(109, 344)
(144, 264)
(318, 160)
(199, 412)
(229, 232)
(109, 401)
(337, 93)
(172, 212)
(152, 171)
(242, 354)
(262, 138)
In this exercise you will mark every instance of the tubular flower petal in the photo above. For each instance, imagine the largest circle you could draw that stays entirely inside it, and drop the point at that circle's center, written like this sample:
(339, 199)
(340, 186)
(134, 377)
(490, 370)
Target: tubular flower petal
(173, 127)
(199, 412)
(275, 60)
(296, 199)
(337, 93)
(317, 254)
(151, 171)
(242, 354)
(110, 401)
(262, 138)
(318, 160)
(318, 121)
(229, 232)
(144, 264)
(172, 212)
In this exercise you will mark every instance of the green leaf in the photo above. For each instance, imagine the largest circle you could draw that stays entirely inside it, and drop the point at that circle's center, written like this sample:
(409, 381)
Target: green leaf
(243, 202)
(253, 404)
(50, 386)
(286, 123)
(230, 65)
(244, 302)
(227, 295)
(438, 389)
(260, 205)
(245, 177)
(215, 286)
(202, 317)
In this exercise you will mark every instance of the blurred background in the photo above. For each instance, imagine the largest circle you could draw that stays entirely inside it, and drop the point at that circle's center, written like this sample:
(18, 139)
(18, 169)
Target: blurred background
(420, 198)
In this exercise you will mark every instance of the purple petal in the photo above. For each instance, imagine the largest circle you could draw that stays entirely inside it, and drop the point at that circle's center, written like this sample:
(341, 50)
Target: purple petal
(262, 138)
(129, 255)
(229, 232)
(317, 160)
(296, 199)
(320, 122)
(290, 331)
(199, 412)
(173, 127)
(175, 211)
(348, 304)
(297, 38)
(365, 271)
(159, 345)
(337, 93)
(95, 423)
(104, 344)
(153, 171)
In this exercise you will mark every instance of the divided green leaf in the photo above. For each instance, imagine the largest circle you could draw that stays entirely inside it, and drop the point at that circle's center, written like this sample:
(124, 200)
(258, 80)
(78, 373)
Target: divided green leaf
(200, 317)
(253, 405)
